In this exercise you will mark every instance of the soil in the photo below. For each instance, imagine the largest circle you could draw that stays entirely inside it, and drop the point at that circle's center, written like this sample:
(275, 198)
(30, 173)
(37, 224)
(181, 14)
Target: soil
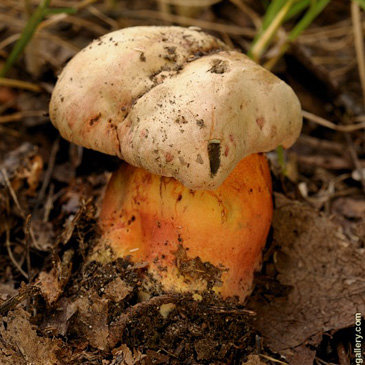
(58, 307)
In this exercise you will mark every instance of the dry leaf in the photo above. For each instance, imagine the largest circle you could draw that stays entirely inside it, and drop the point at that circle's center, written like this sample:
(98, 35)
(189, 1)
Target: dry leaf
(20, 343)
(117, 290)
(325, 272)
(349, 207)
(253, 360)
(124, 356)
(53, 282)
(92, 320)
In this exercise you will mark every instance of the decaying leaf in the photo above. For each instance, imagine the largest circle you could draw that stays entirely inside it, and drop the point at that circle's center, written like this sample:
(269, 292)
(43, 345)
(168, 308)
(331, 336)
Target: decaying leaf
(20, 343)
(350, 207)
(7, 290)
(117, 290)
(124, 356)
(326, 275)
(52, 283)
(254, 360)
(92, 320)
(24, 167)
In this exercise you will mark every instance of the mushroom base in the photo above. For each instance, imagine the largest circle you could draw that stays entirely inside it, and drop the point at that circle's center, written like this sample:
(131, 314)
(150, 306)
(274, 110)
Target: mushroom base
(192, 240)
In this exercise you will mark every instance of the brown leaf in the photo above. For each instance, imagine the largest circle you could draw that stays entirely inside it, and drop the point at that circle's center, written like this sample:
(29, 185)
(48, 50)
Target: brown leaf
(349, 207)
(24, 167)
(7, 290)
(117, 290)
(53, 282)
(50, 286)
(253, 360)
(22, 343)
(59, 323)
(124, 356)
(92, 320)
(43, 233)
(325, 272)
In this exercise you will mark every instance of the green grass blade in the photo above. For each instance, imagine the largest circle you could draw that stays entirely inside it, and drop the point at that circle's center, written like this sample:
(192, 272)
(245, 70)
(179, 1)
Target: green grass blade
(37, 17)
(24, 39)
(297, 8)
(315, 9)
(260, 45)
(307, 19)
(270, 14)
(281, 159)
(274, 7)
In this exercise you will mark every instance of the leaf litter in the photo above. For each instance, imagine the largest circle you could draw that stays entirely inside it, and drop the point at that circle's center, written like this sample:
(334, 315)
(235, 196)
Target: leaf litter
(62, 309)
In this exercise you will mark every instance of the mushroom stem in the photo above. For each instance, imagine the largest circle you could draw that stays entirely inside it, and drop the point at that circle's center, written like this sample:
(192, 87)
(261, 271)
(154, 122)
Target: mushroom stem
(192, 240)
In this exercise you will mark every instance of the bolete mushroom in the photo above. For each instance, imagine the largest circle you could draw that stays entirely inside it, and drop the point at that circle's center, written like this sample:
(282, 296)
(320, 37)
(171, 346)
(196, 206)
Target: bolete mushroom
(191, 118)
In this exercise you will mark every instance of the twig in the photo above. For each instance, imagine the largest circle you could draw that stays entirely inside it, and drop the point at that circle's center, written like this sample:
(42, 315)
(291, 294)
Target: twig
(187, 21)
(24, 293)
(28, 240)
(59, 41)
(4, 131)
(11, 20)
(272, 359)
(12, 258)
(91, 26)
(11, 190)
(49, 204)
(164, 9)
(190, 3)
(359, 44)
(322, 362)
(255, 18)
(15, 117)
(48, 174)
(242, 311)
(69, 228)
(360, 118)
(111, 22)
(13, 38)
(21, 211)
(355, 160)
(19, 84)
(326, 123)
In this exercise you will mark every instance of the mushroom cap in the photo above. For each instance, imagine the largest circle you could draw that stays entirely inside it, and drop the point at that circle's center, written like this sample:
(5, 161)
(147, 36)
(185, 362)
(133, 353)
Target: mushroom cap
(174, 101)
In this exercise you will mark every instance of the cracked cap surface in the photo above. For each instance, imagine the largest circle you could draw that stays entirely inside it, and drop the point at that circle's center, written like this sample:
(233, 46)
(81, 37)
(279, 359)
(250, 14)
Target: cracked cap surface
(174, 101)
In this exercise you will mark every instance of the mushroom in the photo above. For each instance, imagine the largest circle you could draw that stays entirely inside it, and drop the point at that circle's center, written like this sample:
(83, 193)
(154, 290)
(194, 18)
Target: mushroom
(191, 118)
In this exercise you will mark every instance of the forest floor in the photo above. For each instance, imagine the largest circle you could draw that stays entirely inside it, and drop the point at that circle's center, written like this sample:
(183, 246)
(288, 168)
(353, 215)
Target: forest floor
(57, 307)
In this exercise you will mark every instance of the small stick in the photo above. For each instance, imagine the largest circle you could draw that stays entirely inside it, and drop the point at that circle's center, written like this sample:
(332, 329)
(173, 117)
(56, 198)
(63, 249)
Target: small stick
(19, 84)
(28, 240)
(16, 117)
(48, 174)
(11, 190)
(326, 123)
(355, 160)
(359, 44)
(12, 258)
(21, 211)
(26, 291)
